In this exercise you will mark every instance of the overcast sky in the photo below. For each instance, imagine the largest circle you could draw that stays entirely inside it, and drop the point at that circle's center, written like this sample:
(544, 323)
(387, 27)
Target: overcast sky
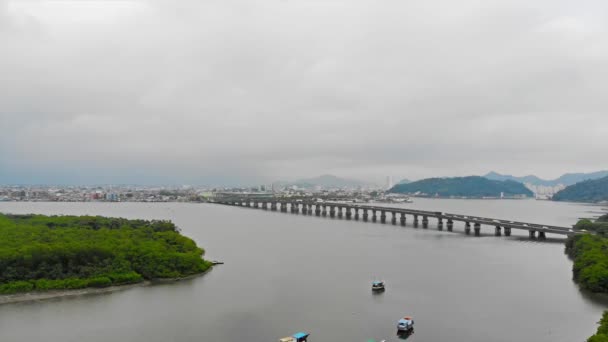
(227, 92)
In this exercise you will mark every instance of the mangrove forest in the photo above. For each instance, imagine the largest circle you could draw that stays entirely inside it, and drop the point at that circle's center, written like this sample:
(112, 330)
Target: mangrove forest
(40, 253)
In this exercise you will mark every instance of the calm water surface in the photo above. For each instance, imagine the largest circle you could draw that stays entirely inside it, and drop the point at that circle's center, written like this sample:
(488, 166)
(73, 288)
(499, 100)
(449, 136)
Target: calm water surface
(286, 273)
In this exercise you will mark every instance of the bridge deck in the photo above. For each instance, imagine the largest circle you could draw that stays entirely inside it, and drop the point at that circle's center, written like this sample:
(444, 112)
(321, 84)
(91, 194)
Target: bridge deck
(435, 214)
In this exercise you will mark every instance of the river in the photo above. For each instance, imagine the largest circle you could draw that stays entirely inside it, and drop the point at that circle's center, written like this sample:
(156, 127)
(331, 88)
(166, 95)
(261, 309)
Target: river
(285, 273)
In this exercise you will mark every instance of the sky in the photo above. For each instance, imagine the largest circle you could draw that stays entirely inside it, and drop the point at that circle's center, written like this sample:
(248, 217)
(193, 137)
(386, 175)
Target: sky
(232, 92)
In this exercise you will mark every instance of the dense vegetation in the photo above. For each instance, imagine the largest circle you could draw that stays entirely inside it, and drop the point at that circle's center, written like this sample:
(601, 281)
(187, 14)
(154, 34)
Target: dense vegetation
(590, 270)
(473, 186)
(67, 252)
(588, 191)
(602, 331)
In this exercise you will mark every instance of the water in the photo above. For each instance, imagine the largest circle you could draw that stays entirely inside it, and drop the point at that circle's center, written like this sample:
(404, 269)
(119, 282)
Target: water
(286, 273)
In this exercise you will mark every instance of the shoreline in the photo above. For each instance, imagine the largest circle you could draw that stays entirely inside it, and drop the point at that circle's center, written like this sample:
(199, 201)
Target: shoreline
(52, 294)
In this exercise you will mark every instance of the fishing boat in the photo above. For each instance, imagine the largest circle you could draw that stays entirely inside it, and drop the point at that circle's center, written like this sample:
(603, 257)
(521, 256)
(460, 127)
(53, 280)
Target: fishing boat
(406, 324)
(378, 286)
(297, 337)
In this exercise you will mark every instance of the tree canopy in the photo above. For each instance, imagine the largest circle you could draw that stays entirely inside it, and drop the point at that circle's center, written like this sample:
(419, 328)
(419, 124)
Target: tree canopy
(63, 252)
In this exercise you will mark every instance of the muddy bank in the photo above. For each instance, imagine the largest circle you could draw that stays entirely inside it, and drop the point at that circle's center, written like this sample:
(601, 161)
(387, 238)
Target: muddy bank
(36, 296)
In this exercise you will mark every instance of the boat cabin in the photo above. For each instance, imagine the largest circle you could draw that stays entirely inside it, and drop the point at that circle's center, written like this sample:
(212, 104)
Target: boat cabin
(297, 337)
(378, 286)
(405, 324)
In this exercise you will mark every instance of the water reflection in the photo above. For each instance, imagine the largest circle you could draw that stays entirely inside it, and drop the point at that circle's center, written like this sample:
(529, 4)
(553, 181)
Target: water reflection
(404, 335)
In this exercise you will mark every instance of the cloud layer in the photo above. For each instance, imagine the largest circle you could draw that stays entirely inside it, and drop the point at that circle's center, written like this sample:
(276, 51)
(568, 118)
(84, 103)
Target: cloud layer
(226, 92)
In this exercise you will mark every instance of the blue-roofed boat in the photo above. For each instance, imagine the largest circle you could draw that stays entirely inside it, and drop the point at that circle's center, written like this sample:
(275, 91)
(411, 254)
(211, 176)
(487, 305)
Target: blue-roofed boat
(378, 286)
(406, 324)
(297, 337)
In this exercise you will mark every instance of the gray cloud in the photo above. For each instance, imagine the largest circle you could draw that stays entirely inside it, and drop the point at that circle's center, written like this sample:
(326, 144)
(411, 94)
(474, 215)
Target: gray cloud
(240, 91)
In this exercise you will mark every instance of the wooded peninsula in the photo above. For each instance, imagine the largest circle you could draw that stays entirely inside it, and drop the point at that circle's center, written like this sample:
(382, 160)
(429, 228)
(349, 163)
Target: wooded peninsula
(590, 270)
(39, 253)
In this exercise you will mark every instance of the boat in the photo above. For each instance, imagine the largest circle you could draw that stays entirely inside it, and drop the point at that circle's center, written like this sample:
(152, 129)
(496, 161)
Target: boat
(378, 286)
(297, 337)
(406, 324)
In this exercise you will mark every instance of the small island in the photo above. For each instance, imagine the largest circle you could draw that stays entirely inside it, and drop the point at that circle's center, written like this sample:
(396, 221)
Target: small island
(41, 253)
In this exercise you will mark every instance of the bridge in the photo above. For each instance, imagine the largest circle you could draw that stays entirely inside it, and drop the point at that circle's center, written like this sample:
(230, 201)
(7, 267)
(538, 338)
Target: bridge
(355, 211)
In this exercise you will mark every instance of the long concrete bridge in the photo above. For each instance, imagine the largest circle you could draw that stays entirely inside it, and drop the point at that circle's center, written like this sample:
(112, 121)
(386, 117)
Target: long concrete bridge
(354, 211)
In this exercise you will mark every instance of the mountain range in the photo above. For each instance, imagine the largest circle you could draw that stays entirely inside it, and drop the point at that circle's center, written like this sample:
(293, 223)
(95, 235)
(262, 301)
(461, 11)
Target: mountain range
(565, 179)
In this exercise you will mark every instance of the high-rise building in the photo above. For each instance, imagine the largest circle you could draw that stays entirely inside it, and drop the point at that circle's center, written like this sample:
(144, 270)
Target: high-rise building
(389, 182)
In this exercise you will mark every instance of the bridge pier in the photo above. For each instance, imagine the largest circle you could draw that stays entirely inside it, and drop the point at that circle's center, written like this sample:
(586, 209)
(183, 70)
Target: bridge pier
(541, 235)
(477, 228)
(283, 207)
(365, 215)
(497, 232)
(295, 208)
(382, 216)
(374, 218)
(393, 217)
(532, 234)
(323, 210)
(440, 224)
(415, 221)
(340, 213)
(507, 231)
(332, 211)
(402, 219)
(317, 209)
(349, 213)
(304, 209)
(265, 205)
(425, 222)
(450, 225)
(273, 206)
(357, 214)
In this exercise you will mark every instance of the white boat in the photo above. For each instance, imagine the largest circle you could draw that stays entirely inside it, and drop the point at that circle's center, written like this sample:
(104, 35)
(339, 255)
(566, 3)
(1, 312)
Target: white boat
(406, 324)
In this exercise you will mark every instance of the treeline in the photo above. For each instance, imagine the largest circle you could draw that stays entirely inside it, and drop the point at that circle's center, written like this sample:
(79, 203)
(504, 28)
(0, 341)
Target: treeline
(590, 269)
(68, 252)
(600, 226)
(595, 190)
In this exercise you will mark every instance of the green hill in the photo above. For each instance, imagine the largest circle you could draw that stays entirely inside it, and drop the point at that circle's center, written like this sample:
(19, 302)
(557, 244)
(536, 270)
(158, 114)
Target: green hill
(588, 191)
(472, 186)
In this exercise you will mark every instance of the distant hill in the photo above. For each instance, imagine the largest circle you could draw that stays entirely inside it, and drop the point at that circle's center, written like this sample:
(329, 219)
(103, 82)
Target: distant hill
(595, 190)
(566, 179)
(328, 181)
(473, 186)
(404, 181)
